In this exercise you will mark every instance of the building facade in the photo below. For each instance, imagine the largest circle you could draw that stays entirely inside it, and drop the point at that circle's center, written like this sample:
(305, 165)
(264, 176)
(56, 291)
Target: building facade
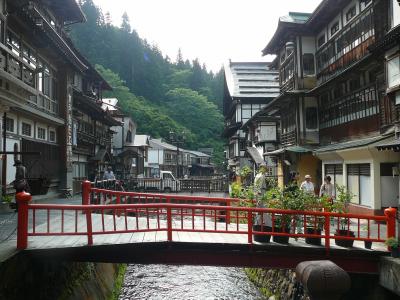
(337, 98)
(51, 116)
(248, 88)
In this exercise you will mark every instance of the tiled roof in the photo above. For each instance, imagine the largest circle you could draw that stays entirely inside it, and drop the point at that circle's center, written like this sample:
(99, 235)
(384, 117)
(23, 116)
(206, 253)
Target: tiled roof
(252, 80)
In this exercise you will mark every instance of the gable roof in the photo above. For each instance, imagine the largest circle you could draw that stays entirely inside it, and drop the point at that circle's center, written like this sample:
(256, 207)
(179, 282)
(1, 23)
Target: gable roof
(251, 80)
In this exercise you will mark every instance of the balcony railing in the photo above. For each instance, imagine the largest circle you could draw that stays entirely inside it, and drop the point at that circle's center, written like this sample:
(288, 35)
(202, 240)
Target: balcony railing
(356, 105)
(348, 47)
(289, 138)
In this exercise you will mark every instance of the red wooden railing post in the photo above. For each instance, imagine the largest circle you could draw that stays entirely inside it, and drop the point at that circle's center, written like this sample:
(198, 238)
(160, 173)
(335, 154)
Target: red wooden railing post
(327, 233)
(228, 212)
(118, 201)
(23, 200)
(249, 227)
(86, 187)
(169, 224)
(89, 226)
(390, 214)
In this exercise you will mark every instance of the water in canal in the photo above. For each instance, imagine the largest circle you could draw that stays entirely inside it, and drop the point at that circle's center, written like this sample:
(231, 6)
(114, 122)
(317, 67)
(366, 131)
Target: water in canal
(187, 282)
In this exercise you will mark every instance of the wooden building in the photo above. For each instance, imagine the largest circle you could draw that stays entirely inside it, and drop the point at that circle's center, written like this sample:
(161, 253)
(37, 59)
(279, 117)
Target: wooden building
(335, 106)
(249, 86)
(49, 96)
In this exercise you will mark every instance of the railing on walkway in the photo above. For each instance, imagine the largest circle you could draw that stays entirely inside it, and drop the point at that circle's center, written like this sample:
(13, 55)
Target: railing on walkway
(158, 213)
(205, 185)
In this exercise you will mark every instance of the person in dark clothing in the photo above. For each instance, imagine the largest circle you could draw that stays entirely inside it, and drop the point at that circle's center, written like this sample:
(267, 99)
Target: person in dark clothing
(20, 182)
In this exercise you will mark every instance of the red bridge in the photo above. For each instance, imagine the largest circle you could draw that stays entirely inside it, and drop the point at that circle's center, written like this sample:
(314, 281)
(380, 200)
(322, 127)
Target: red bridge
(113, 226)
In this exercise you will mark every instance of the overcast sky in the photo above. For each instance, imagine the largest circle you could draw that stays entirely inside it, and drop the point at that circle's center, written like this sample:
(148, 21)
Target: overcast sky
(212, 30)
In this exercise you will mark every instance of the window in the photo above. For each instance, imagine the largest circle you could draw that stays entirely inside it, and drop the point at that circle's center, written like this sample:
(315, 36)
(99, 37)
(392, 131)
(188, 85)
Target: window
(10, 125)
(335, 171)
(311, 118)
(393, 72)
(335, 28)
(321, 40)
(350, 13)
(41, 133)
(52, 135)
(26, 129)
(395, 13)
(13, 43)
(308, 64)
(359, 183)
(354, 84)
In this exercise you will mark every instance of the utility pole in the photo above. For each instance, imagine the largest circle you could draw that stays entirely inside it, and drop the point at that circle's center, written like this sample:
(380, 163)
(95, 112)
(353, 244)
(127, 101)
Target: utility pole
(177, 139)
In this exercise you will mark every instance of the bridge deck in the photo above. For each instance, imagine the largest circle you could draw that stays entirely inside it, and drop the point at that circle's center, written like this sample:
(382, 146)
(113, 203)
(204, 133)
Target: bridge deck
(196, 248)
(61, 241)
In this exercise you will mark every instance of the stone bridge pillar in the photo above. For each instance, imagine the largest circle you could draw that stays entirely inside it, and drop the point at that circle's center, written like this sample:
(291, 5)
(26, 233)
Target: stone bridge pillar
(323, 279)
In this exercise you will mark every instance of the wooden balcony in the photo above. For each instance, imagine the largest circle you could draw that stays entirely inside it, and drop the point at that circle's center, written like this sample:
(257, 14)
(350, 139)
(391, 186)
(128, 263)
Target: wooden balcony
(289, 138)
(347, 48)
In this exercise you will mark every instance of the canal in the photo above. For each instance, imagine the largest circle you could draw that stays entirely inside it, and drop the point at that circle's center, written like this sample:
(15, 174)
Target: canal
(186, 282)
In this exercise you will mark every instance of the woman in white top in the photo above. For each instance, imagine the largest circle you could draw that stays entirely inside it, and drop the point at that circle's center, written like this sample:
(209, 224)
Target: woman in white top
(327, 188)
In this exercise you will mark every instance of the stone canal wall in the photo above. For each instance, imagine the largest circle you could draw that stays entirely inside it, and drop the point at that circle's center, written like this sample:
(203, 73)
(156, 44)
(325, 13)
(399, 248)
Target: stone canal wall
(24, 277)
(277, 284)
(281, 285)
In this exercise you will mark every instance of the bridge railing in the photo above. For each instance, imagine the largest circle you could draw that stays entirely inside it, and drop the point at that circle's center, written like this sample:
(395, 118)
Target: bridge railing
(93, 195)
(95, 220)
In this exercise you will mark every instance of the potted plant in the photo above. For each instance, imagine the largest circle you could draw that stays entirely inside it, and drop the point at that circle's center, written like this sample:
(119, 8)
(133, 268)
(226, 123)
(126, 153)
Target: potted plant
(314, 224)
(367, 244)
(340, 205)
(284, 199)
(393, 243)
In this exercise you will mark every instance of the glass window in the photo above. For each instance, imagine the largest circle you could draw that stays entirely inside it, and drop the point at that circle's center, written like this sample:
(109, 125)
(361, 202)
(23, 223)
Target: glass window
(308, 64)
(351, 13)
(52, 136)
(41, 134)
(395, 13)
(10, 125)
(26, 129)
(311, 118)
(335, 28)
(321, 40)
(393, 72)
(359, 183)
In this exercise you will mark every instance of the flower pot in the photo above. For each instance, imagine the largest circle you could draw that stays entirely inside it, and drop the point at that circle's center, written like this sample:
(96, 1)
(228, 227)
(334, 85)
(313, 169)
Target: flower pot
(281, 239)
(344, 243)
(395, 252)
(311, 240)
(367, 244)
(261, 238)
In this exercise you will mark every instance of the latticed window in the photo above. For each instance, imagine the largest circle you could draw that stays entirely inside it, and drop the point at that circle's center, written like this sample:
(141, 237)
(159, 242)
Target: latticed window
(26, 129)
(41, 133)
(10, 125)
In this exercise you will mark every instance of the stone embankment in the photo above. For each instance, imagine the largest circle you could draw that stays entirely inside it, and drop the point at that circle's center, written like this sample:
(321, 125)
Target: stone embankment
(277, 284)
(24, 277)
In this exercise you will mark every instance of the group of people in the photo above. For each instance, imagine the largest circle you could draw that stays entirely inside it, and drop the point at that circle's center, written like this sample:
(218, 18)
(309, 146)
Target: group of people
(327, 188)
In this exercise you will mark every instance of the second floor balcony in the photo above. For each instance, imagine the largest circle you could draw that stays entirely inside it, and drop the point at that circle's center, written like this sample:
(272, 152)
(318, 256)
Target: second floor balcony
(348, 47)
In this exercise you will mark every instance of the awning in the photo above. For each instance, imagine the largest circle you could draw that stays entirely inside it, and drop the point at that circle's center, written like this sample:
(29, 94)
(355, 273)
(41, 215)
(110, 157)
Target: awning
(101, 155)
(255, 155)
(357, 143)
(393, 145)
(297, 149)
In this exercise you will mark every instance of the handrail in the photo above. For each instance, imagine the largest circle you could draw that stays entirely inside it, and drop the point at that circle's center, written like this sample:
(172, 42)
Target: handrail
(173, 217)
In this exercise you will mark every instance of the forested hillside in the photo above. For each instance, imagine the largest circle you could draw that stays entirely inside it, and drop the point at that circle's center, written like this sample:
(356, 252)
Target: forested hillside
(159, 94)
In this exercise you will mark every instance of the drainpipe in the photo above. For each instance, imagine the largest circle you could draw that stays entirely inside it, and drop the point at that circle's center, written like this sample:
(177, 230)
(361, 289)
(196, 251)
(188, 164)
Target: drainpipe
(4, 169)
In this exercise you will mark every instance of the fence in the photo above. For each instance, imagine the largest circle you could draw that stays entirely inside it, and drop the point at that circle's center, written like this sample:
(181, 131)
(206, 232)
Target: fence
(156, 212)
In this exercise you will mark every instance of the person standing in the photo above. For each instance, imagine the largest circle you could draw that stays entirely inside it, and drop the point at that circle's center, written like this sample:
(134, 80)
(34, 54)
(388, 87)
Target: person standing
(20, 182)
(327, 188)
(307, 185)
(260, 188)
(108, 175)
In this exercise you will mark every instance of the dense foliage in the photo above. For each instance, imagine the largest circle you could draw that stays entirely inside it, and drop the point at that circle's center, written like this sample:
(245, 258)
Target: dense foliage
(159, 94)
